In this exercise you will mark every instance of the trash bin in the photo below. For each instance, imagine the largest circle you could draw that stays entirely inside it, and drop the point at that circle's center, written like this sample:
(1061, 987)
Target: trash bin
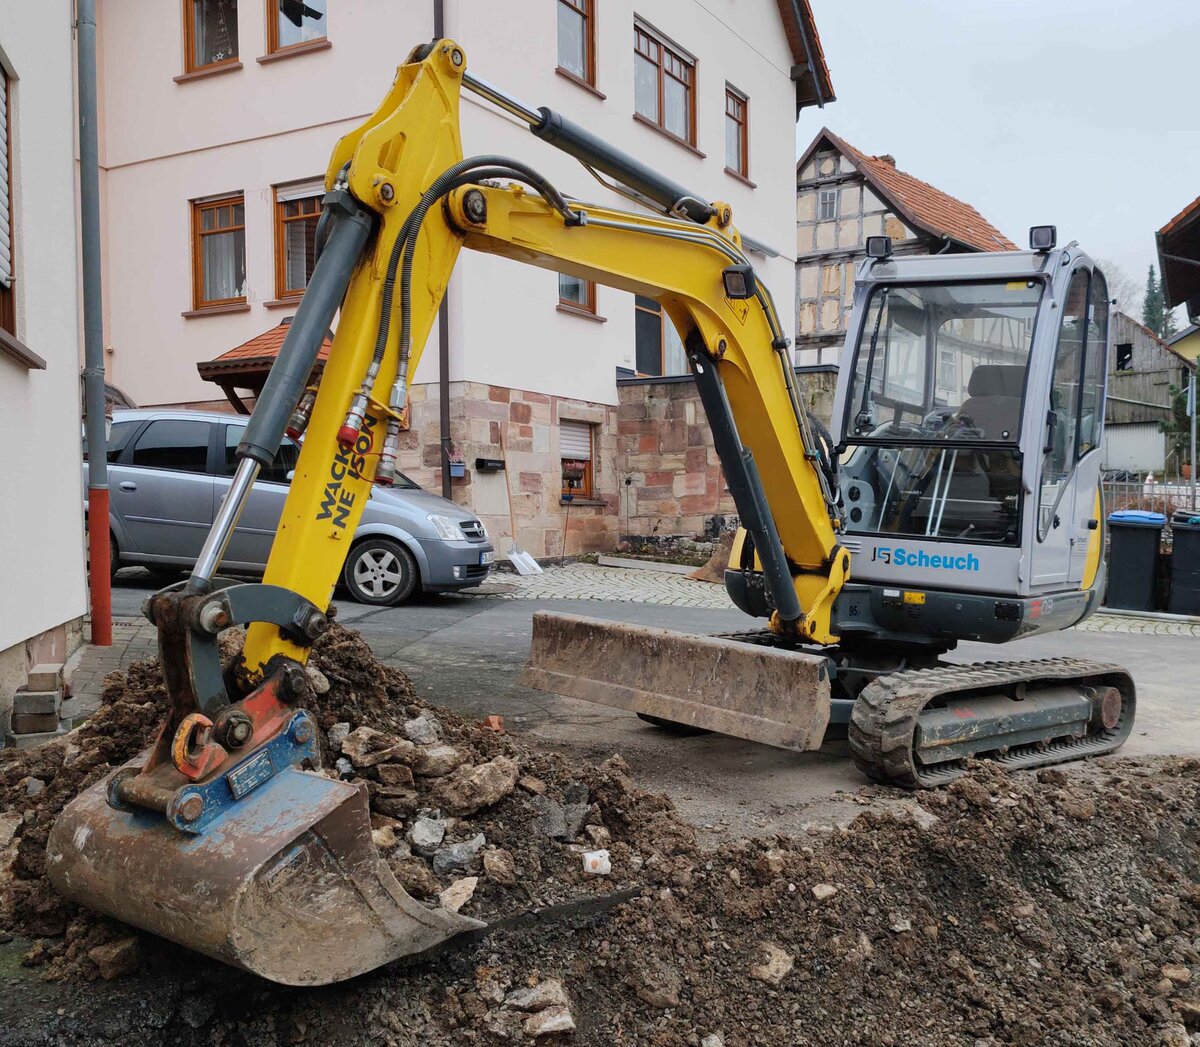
(1134, 536)
(1185, 566)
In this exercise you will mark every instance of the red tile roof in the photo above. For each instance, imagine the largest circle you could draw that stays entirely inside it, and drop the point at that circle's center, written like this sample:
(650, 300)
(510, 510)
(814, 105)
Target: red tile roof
(1178, 252)
(255, 355)
(919, 203)
(813, 86)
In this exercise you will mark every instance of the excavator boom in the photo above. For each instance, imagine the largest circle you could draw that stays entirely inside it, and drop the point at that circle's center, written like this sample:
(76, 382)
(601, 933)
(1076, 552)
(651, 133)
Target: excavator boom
(259, 858)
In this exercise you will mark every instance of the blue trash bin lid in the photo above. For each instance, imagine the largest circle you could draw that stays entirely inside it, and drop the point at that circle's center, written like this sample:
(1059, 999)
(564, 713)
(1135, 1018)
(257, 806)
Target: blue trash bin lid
(1137, 518)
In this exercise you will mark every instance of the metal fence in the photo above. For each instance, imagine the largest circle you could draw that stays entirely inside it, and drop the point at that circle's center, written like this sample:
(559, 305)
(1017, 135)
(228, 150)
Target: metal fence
(1166, 498)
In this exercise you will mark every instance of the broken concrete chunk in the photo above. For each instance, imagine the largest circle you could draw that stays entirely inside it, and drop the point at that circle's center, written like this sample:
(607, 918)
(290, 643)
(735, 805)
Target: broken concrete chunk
(394, 801)
(823, 891)
(117, 958)
(532, 785)
(558, 821)
(547, 993)
(424, 729)
(437, 761)
(458, 893)
(500, 866)
(458, 855)
(317, 680)
(713, 1039)
(426, 834)
(775, 964)
(551, 1020)
(470, 789)
(337, 735)
(367, 747)
(34, 787)
(395, 774)
(10, 822)
(596, 863)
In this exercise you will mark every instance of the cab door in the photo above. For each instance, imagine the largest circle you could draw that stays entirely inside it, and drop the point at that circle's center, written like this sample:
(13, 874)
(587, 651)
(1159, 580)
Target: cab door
(1074, 420)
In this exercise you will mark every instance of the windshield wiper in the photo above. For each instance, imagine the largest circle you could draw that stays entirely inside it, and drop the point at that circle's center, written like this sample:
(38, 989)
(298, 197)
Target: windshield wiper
(863, 420)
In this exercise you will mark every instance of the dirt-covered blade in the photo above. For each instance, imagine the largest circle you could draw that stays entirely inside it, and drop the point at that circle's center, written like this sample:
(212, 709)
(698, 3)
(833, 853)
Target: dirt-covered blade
(286, 884)
(746, 690)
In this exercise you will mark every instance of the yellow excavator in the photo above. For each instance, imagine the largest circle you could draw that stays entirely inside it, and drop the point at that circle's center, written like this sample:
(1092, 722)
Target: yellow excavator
(959, 481)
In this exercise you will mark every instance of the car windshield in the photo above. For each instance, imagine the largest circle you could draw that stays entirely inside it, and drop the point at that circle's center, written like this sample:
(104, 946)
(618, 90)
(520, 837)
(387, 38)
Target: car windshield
(406, 484)
(943, 361)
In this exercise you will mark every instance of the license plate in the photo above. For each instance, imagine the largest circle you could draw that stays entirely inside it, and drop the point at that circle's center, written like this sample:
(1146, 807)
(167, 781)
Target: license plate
(486, 558)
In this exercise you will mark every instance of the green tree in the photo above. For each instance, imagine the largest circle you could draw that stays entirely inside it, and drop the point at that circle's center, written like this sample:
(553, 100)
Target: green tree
(1152, 303)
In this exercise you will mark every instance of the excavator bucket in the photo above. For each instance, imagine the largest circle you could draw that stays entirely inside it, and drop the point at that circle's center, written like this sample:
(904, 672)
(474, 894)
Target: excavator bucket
(747, 690)
(286, 884)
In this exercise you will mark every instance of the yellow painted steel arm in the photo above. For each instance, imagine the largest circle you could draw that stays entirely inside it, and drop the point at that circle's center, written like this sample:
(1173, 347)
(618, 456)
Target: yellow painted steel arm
(393, 158)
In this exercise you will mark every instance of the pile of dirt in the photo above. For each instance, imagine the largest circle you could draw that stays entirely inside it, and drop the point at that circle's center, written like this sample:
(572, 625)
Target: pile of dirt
(1057, 908)
(452, 802)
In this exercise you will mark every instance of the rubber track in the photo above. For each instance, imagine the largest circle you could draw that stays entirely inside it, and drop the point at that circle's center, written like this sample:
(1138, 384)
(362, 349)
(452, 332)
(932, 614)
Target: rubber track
(884, 720)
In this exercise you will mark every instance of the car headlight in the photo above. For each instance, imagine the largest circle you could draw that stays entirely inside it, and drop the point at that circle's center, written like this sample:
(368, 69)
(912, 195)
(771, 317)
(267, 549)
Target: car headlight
(446, 527)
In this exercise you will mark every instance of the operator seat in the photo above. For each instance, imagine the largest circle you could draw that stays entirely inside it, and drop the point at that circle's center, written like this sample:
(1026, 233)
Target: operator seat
(993, 400)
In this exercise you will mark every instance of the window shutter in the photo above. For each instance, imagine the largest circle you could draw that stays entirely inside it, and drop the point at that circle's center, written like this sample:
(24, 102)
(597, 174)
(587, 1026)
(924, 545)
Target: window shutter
(575, 440)
(301, 190)
(5, 207)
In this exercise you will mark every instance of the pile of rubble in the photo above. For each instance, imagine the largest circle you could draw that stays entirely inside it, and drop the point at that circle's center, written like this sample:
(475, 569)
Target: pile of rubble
(1055, 908)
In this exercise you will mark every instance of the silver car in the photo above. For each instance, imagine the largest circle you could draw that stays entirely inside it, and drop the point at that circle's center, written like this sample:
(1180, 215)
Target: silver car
(169, 470)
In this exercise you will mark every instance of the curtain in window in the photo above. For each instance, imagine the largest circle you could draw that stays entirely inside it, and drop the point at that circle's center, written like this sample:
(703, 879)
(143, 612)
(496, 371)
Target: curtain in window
(224, 258)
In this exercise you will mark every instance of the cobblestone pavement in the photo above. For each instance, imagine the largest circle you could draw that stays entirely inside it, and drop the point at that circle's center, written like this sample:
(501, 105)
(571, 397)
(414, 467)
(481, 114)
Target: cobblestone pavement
(134, 638)
(584, 581)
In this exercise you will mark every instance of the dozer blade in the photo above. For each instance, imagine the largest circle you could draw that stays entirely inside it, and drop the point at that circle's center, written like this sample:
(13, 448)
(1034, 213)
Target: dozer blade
(286, 884)
(760, 693)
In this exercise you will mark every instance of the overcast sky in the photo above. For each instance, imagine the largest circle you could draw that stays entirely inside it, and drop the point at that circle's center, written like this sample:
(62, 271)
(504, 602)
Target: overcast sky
(1081, 113)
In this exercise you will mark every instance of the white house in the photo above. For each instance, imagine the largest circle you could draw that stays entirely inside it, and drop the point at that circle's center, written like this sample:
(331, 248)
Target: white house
(41, 524)
(218, 120)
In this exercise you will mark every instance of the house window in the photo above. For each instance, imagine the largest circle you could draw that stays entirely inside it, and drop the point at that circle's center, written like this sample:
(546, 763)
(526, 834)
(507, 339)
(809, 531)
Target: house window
(297, 209)
(737, 132)
(658, 349)
(291, 23)
(576, 293)
(827, 205)
(219, 251)
(210, 30)
(664, 85)
(577, 39)
(8, 309)
(575, 449)
(1124, 356)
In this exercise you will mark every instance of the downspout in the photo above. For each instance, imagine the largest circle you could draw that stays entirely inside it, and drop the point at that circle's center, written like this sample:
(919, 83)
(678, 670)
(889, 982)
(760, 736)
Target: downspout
(439, 31)
(808, 53)
(99, 577)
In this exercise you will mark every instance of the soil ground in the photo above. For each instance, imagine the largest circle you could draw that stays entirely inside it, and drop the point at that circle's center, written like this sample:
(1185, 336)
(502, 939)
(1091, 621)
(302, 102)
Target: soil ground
(1056, 908)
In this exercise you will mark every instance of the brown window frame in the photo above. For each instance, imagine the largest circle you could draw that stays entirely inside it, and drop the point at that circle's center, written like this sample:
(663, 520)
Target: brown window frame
(189, 43)
(732, 94)
(8, 295)
(198, 208)
(661, 46)
(586, 486)
(273, 45)
(587, 9)
(282, 291)
(587, 306)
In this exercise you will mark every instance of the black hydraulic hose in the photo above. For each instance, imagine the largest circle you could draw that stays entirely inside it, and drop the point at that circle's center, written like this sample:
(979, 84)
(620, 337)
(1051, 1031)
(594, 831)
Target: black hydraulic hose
(464, 172)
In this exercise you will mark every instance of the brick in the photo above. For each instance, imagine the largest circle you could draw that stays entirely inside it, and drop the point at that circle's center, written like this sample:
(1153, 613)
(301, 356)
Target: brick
(688, 483)
(45, 676)
(695, 503)
(499, 394)
(32, 723)
(696, 459)
(698, 436)
(535, 398)
(35, 702)
(659, 478)
(531, 483)
(525, 431)
(521, 413)
(494, 432)
(647, 444)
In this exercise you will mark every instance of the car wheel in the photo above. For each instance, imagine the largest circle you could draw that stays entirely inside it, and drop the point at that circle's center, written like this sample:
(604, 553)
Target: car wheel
(380, 571)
